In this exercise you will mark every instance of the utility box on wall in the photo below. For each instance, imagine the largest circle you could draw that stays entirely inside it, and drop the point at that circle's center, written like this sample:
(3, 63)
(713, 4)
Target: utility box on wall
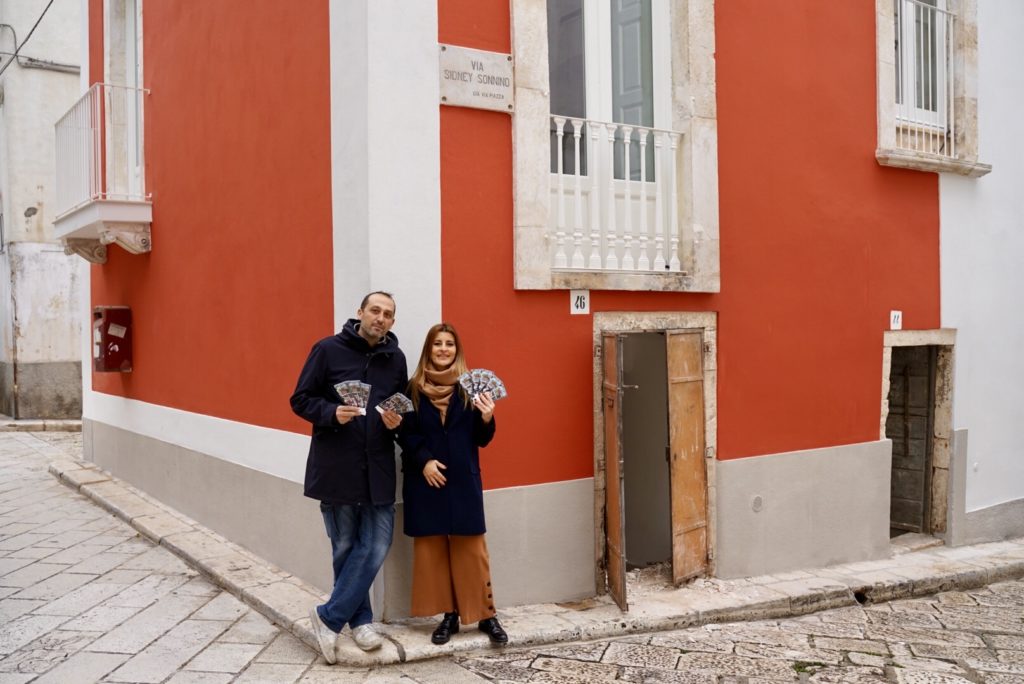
(112, 339)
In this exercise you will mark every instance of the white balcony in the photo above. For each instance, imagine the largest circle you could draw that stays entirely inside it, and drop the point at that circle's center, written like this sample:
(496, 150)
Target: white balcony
(101, 190)
(614, 200)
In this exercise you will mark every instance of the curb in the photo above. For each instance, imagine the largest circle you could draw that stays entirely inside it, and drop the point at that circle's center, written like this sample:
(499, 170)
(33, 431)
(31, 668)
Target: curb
(285, 599)
(8, 424)
(269, 590)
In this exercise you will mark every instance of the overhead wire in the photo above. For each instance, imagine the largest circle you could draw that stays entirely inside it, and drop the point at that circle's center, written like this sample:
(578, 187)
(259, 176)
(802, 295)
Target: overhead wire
(17, 49)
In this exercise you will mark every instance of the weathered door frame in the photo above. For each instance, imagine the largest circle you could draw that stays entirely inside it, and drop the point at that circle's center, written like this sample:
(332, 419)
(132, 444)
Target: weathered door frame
(638, 322)
(943, 340)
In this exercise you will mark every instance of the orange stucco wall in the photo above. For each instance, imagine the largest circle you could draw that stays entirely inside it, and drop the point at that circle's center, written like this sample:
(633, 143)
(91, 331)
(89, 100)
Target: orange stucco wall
(818, 243)
(238, 284)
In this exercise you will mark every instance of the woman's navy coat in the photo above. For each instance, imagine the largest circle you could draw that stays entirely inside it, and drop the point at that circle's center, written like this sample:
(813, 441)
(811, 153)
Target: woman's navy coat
(458, 506)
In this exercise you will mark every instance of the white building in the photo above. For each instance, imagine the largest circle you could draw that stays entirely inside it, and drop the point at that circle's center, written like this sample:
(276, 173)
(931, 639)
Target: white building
(982, 242)
(40, 352)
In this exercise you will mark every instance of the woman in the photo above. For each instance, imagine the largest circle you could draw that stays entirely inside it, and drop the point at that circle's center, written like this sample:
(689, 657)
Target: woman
(444, 503)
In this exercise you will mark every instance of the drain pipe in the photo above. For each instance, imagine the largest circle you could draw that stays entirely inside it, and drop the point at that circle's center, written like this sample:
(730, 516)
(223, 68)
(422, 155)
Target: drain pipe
(14, 339)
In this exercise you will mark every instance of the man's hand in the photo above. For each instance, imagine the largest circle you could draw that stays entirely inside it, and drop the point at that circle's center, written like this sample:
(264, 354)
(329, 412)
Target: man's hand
(345, 413)
(391, 419)
(432, 472)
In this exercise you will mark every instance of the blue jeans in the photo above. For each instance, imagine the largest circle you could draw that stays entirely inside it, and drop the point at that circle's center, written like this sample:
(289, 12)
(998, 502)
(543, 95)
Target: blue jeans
(360, 537)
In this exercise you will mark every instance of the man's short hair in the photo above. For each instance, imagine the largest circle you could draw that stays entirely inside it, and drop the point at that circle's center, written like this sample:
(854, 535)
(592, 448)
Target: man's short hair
(366, 299)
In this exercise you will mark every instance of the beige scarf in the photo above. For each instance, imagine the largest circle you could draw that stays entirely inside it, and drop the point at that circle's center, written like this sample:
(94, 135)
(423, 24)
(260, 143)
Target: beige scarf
(438, 386)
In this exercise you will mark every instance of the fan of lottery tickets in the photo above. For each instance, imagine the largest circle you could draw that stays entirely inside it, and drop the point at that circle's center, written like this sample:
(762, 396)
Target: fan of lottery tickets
(354, 393)
(397, 402)
(480, 380)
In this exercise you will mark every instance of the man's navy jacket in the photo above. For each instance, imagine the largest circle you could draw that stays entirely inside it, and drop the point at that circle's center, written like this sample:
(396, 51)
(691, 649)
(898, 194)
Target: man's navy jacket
(352, 463)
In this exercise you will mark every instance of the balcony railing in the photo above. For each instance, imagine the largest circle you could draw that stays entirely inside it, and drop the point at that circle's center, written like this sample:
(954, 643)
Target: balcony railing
(101, 186)
(925, 120)
(100, 148)
(614, 200)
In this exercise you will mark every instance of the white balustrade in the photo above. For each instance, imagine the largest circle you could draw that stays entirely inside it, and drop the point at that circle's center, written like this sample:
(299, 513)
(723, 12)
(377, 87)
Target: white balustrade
(617, 223)
(105, 125)
(577, 223)
(560, 259)
(627, 214)
(643, 263)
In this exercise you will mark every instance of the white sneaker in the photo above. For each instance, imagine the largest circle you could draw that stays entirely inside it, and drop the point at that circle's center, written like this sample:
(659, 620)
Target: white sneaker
(366, 638)
(325, 636)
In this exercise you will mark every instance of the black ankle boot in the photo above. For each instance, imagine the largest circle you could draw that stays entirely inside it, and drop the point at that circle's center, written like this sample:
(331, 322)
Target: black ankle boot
(449, 625)
(492, 628)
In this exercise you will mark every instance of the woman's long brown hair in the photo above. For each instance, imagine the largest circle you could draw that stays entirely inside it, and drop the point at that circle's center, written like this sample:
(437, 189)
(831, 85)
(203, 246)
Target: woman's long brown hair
(428, 344)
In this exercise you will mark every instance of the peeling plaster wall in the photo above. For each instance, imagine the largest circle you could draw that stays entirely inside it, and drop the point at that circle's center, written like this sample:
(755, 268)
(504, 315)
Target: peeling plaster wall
(982, 242)
(33, 101)
(39, 327)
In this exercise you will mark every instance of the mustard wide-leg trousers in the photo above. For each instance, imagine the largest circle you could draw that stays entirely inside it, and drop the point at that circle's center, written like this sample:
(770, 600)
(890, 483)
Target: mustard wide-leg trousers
(452, 573)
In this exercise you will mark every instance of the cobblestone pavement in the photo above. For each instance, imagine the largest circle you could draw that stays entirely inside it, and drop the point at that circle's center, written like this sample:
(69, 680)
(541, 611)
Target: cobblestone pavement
(972, 636)
(84, 598)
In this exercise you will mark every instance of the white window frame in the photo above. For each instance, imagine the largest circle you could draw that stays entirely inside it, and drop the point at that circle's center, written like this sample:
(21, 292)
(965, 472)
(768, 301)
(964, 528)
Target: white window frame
(962, 125)
(910, 67)
(123, 66)
(597, 47)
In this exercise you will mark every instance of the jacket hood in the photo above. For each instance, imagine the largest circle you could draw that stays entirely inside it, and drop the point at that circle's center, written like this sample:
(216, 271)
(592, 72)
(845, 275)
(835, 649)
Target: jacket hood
(350, 336)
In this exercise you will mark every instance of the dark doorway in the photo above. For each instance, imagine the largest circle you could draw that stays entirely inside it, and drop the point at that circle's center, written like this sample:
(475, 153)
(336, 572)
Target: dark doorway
(645, 450)
(910, 426)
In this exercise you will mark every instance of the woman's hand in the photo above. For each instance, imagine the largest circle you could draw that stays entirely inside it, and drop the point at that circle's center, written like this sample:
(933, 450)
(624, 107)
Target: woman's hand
(391, 419)
(432, 473)
(485, 405)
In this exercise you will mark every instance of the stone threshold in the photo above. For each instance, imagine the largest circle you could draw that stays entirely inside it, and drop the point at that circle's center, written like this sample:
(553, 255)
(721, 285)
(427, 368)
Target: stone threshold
(285, 599)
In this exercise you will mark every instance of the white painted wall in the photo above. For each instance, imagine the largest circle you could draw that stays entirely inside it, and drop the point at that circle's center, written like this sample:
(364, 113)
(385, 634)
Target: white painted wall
(982, 252)
(33, 100)
(385, 158)
(40, 282)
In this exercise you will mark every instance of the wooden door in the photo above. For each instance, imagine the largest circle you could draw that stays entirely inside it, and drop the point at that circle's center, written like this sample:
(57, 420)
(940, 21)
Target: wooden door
(615, 552)
(686, 454)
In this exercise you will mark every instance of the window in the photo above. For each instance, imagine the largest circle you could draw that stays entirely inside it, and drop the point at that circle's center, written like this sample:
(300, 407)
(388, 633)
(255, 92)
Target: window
(602, 56)
(923, 61)
(123, 99)
(625, 200)
(927, 114)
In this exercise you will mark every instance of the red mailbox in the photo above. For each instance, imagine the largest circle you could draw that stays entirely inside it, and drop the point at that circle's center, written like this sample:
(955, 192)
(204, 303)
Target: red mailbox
(112, 339)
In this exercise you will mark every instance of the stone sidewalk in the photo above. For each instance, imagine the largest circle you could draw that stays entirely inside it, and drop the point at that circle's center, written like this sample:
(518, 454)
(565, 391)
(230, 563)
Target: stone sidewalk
(285, 599)
(84, 599)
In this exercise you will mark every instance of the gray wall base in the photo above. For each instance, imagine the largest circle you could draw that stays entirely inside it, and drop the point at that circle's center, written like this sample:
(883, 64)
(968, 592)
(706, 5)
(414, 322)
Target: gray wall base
(45, 390)
(803, 509)
(540, 537)
(995, 523)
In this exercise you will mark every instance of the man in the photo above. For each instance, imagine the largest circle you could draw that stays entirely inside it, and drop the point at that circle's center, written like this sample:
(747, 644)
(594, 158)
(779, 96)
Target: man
(351, 463)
